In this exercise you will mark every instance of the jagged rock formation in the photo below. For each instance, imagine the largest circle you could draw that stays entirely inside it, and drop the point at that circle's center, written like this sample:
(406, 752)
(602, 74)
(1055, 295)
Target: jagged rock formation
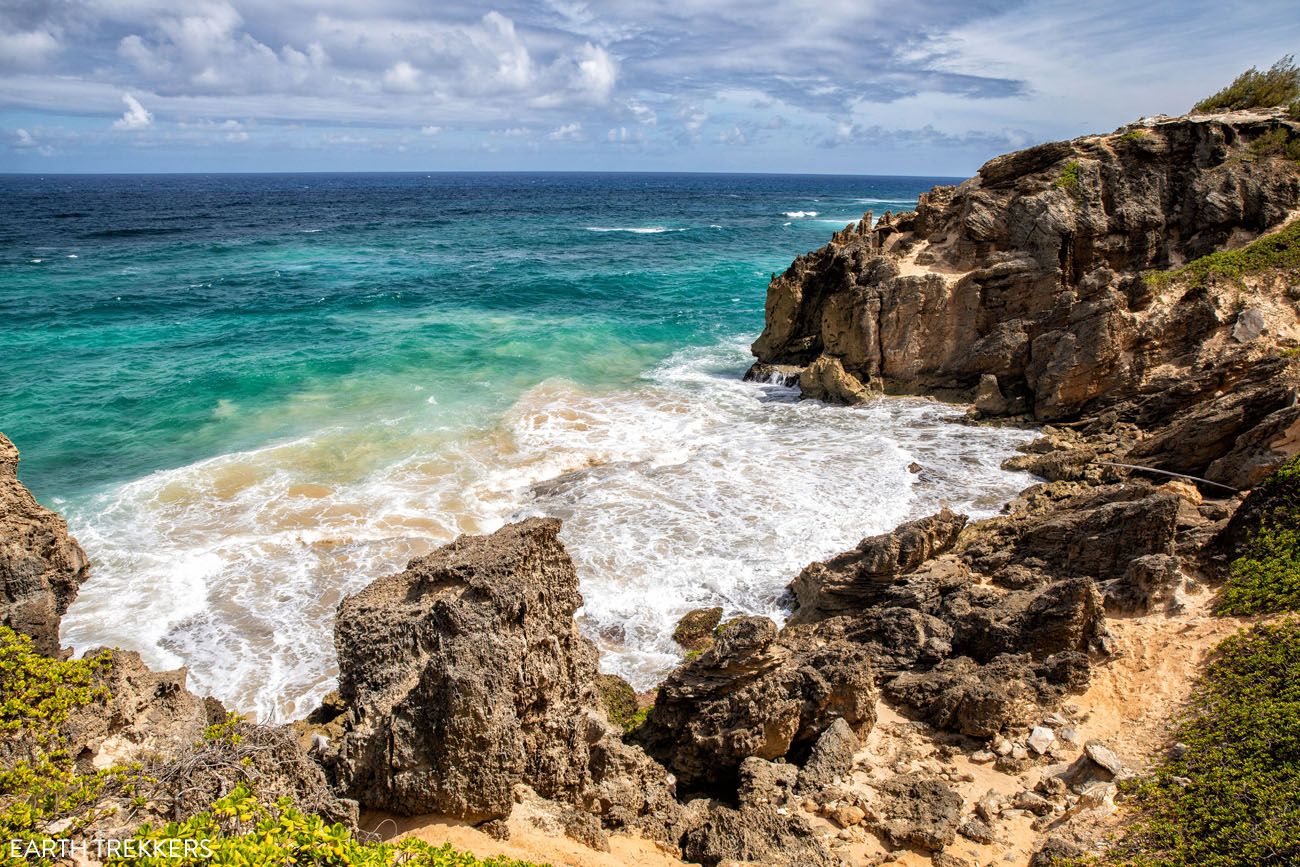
(465, 675)
(755, 693)
(1023, 287)
(41, 565)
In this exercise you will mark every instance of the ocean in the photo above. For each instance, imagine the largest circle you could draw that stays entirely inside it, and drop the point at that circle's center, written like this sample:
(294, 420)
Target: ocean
(250, 395)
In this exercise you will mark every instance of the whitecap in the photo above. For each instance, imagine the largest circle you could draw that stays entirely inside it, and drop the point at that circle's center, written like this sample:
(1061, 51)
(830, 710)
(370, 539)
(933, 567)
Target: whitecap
(796, 215)
(636, 230)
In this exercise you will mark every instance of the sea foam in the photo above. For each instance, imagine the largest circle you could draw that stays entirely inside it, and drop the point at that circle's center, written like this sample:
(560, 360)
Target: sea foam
(690, 488)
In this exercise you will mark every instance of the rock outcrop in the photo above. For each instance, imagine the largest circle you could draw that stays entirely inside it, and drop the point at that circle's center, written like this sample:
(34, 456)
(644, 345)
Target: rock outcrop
(1024, 288)
(41, 565)
(755, 693)
(465, 676)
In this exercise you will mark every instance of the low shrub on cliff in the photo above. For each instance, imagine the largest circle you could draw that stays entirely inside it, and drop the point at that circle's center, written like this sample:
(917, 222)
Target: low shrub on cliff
(41, 793)
(44, 799)
(1232, 795)
(1276, 143)
(1265, 577)
(1279, 250)
(1277, 85)
(1069, 178)
(241, 830)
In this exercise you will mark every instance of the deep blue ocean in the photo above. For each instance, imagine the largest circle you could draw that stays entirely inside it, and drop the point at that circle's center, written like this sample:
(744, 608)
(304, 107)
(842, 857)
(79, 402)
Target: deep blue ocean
(252, 394)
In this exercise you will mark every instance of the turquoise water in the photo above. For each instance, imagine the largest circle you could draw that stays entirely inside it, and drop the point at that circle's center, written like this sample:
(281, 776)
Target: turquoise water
(253, 394)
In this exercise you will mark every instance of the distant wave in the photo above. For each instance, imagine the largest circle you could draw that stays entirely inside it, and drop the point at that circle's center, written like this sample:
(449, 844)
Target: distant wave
(795, 215)
(636, 230)
(908, 202)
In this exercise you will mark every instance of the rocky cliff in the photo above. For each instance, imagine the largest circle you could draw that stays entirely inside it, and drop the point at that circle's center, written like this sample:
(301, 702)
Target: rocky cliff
(1029, 288)
(41, 565)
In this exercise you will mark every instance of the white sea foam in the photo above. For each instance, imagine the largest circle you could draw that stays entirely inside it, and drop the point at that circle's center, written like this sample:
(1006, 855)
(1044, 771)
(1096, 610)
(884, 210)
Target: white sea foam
(692, 488)
(796, 215)
(636, 230)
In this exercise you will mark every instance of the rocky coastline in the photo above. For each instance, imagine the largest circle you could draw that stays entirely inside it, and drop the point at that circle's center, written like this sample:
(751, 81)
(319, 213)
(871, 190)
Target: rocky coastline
(1060, 288)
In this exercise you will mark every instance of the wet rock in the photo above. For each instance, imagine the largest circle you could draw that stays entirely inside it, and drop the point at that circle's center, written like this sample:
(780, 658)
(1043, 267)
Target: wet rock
(695, 630)
(41, 565)
(855, 579)
(755, 694)
(914, 810)
(465, 675)
(776, 374)
(826, 379)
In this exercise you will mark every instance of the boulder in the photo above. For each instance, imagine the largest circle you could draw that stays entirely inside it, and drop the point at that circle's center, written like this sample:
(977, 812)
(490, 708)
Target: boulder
(755, 693)
(695, 630)
(915, 810)
(758, 835)
(982, 701)
(41, 565)
(465, 675)
(825, 379)
(831, 757)
(855, 579)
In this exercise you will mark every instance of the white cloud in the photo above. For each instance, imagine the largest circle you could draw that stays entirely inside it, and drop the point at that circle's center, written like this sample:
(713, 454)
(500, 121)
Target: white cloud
(402, 77)
(733, 137)
(567, 132)
(30, 49)
(237, 136)
(430, 130)
(136, 115)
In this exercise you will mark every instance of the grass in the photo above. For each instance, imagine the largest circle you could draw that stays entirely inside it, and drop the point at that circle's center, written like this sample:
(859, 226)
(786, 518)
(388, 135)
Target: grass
(1232, 797)
(1265, 577)
(1278, 85)
(44, 798)
(1278, 250)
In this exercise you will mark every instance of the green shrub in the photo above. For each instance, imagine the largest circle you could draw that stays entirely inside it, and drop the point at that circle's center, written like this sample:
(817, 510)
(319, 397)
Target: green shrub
(1293, 110)
(1232, 798)
(1265, 577)
(1069, 179)
(1276, 143)
(240, 830)
(41, 793)
(1280, 249)
(44, 799)
(1133, 135)
(1278, 85)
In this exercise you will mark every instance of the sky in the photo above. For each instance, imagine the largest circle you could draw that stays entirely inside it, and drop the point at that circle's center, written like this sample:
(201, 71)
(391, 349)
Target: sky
(933, 87)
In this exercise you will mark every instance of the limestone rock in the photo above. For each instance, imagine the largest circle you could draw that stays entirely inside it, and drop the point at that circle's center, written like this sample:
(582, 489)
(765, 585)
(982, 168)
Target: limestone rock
(854, 579)
(825, 379)
(758, 835)
(465, 675)
(978, 700)
(1038, 282)
(41, 565)
(831, 757)
(913, 810)
(755, 694)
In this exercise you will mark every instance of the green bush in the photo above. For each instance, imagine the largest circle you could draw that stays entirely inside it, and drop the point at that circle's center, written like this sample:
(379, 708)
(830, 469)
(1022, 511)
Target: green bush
(1278, 85)
(1069, 179)
(1232, 798)
(1280, 249)
(1265, 577)
(240, 830)
(45, 799)
(1276, 143)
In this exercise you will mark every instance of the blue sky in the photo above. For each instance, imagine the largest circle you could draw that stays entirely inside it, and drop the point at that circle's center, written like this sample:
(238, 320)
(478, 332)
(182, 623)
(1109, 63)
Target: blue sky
(856, 86)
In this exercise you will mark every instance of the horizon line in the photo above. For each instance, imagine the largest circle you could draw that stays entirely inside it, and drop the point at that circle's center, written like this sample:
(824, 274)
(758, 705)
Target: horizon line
(430, 172)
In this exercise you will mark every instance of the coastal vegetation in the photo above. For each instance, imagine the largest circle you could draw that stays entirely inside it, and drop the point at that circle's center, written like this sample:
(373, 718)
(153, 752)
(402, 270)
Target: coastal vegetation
(46, 798)
(1277, 85)
(1229, 792)
(1275, 251)
(1266, 576)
